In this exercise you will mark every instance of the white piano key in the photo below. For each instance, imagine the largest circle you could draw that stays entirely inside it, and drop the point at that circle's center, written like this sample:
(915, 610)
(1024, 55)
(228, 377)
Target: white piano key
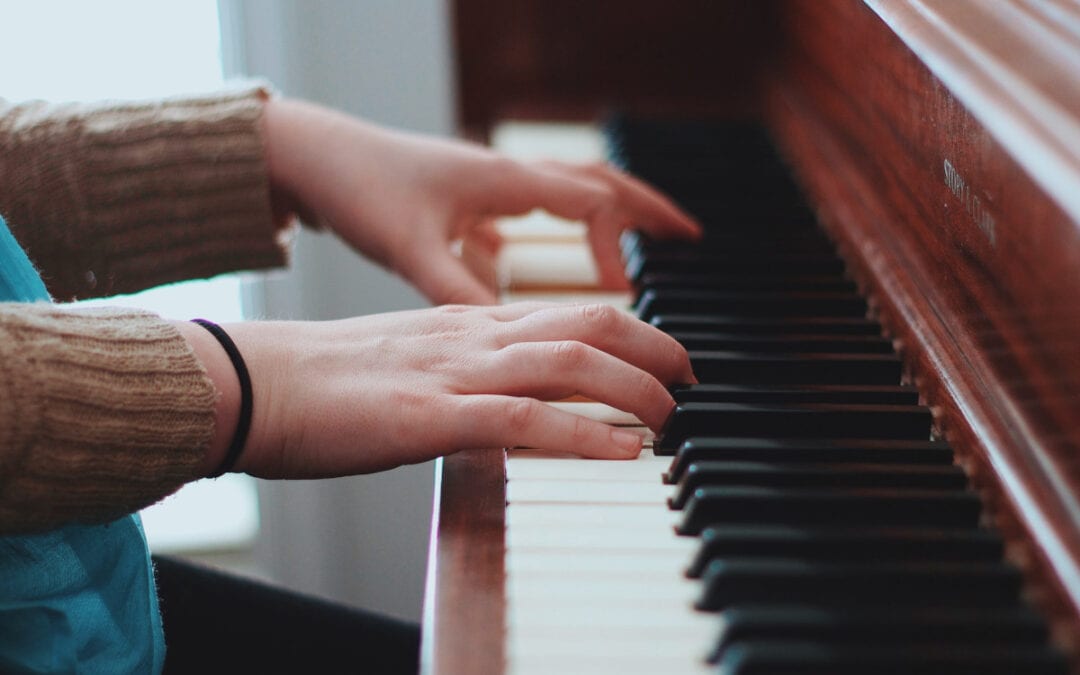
(600, 492)
(618, 299)
(637, 517)
(646, 592)
(550, 264)
(565, 644)
(530, 614)
(524, 468)
(593, 564)
(605, 665)
(541, 562)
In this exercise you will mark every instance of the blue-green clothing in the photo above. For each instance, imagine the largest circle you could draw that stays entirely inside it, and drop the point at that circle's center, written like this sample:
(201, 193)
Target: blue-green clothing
(81, 598)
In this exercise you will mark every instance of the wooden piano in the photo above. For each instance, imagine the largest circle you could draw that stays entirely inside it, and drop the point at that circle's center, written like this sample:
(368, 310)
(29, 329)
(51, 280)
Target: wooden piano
(936, 144)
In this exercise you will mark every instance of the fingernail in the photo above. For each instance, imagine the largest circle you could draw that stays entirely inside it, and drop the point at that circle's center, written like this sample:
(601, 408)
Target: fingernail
(627, 441)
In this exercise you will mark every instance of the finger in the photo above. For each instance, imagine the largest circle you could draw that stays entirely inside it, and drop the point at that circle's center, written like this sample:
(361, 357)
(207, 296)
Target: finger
(651, 211)
(509, 421)
(626, 203)
(603, 237)
(551, 188)
(443, 278)
(608, 329)
(554, 370)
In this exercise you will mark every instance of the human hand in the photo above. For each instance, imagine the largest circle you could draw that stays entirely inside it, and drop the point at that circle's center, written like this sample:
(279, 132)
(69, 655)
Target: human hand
(375, 392)
(404, 199)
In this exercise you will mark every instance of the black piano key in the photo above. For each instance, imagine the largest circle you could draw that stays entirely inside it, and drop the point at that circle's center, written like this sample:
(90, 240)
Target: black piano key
(796, 420)
(802, 368)
(736, 325)
(863, 450)
(785, 657)
(894, 626)
(742, 282)
(843, 507)
(863, 544)
(812, 344)
(816, 475)
(821, 393)
(806, 242)
(731, 262)
(719, 240)
(728, 583)
(748, 303)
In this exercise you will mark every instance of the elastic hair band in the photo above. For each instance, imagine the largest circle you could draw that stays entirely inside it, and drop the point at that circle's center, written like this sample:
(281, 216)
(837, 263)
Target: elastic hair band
(243, 424)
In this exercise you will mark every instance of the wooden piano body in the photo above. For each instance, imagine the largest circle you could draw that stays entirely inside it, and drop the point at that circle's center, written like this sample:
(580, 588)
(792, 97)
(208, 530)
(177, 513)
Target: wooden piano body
(939, 144)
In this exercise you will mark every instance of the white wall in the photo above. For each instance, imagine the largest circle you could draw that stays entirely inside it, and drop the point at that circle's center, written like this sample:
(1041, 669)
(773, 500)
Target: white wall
(360, 540)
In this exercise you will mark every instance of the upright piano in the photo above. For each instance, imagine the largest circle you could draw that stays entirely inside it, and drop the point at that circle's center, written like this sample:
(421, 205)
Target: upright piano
(880, 472)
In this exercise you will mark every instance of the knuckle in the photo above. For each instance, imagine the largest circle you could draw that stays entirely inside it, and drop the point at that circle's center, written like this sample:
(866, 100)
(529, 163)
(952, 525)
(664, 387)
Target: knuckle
(648, 386)
(602, 317)
(453, 309)
(521, 413)
(569, 354)
(581, 433)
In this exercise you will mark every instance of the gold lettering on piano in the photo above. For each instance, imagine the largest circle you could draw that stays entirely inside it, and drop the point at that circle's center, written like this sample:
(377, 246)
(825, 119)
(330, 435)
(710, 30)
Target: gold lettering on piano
(974, 206)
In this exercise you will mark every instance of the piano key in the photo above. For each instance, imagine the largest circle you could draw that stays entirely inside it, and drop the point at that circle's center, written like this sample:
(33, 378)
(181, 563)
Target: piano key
(572, 492)
(815, 475)
(809, 450)
(731, 260)
(794, 420)
(749, 303)
(781, 657)
(883, 507)
(736, 261)
(626, 538)
(806, 393)
(726, 342)
(896, 626)
(741, 282)
(805, 240)
(764, 368)
(728, 583)
(866, 544)
(741, 325)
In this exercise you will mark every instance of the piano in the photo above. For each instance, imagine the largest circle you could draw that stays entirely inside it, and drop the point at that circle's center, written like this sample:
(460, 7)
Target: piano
(879, 472)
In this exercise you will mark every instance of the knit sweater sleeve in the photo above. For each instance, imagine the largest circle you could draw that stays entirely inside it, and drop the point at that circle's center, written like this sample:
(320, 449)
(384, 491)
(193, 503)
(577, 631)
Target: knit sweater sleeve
(112, 197)
(102, 412)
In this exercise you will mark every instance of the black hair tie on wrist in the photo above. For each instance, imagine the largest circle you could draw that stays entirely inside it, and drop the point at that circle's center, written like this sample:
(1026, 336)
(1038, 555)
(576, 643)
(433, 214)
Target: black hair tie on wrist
(243, 424)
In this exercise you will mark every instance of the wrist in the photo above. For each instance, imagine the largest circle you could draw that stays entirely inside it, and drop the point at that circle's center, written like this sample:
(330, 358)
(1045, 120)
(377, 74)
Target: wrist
(227, 385)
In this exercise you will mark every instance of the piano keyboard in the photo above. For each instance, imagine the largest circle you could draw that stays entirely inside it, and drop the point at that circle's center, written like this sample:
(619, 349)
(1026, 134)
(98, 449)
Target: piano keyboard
(796, 514)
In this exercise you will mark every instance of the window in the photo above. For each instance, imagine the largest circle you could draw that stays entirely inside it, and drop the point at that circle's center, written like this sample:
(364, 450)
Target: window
(133, 49)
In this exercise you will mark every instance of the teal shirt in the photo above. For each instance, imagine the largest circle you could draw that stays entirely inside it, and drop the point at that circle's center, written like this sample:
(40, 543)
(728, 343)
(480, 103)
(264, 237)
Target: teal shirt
(81, 598)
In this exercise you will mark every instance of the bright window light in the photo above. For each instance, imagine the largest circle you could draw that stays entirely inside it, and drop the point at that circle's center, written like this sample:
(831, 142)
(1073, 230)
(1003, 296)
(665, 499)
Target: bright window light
(64, 50)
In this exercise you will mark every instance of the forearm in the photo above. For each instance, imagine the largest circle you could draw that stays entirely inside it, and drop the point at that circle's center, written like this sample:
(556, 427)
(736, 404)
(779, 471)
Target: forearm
(116, 197)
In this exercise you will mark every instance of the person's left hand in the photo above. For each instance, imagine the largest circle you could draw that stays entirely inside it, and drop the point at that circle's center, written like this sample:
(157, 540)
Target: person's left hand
(404, 200)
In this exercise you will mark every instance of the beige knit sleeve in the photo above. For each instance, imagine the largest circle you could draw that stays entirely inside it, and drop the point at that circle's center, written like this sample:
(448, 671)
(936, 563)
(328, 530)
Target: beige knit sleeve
(114, 197)
(102, 412)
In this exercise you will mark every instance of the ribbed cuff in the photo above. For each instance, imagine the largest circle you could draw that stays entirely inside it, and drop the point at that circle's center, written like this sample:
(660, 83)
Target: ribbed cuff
(102, 412)
(118, 197)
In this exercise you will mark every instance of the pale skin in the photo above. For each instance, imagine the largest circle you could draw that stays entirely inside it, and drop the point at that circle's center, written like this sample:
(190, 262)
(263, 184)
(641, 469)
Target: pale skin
(375, 392)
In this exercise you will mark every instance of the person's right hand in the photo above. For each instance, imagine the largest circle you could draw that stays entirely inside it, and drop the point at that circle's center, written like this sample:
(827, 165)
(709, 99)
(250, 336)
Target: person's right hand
(372, 393)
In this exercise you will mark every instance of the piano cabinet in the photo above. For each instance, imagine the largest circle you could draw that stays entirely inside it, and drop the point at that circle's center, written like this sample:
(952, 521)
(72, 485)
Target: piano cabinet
(938, 144)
